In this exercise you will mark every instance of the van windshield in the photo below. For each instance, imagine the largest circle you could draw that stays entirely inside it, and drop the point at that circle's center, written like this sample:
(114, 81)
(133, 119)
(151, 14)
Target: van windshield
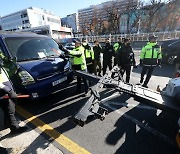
(32, 48)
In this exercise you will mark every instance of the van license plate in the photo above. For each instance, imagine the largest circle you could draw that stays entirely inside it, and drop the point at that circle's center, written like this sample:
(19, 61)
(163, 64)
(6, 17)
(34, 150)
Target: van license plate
(59, 81)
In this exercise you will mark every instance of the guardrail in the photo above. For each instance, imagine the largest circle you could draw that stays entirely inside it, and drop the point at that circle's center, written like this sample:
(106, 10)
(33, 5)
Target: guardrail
(162, 36)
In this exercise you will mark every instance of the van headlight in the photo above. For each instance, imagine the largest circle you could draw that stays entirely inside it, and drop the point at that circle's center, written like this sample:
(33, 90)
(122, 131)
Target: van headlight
(26, 78)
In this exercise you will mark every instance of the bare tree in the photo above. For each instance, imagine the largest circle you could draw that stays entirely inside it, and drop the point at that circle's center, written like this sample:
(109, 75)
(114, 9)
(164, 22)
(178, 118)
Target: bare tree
(173, 14)
(112, 16)
(130, 9)
(149, 15)
(160, 16)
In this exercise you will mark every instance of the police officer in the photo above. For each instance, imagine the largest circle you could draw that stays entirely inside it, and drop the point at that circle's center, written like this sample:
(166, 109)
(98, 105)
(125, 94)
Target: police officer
(79, 63)
(8, 105)
(117, 47)
(97, 51)
(150, 57)
(108, 53)
(89, 54)
(125, 57)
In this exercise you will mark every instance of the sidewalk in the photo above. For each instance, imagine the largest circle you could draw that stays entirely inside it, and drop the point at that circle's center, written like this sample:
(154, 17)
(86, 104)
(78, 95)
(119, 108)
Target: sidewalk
(29, 142)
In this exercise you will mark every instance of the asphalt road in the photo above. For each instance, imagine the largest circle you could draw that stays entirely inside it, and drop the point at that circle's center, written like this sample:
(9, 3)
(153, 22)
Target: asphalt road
(131, 127)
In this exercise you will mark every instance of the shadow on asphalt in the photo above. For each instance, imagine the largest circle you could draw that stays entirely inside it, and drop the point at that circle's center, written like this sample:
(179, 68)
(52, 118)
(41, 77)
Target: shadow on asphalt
(163, 71)
(137, 140)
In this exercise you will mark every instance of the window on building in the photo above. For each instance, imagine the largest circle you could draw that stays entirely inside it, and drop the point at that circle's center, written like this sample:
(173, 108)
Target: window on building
(40, 19)
(23, 15)
(25, 21)
(53, 20)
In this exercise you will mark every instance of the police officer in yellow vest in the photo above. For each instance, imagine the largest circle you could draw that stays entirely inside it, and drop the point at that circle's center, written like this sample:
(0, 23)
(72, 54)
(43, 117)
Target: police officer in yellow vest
(8, 105)
(117, 47)
(89, 54)
(79, 63)
(150, 57)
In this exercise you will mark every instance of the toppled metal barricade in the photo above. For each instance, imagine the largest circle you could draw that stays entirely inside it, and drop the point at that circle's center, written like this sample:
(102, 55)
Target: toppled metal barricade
(92, 107)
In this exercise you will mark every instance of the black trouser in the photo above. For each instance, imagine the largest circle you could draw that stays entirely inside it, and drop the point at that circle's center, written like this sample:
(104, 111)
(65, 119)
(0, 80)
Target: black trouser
(90, 68)
(106, 64)
(78, 67)
(148, 70)
(8, 107)
(127, 69)
(97, 63)
(115, 61)
(79, 84)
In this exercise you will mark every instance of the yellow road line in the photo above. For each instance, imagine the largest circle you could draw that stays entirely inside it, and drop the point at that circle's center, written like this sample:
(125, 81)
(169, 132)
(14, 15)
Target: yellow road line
(60, 138)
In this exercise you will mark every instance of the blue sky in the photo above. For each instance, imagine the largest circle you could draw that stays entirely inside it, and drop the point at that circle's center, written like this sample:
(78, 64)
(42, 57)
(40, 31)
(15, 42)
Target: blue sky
(59, 7)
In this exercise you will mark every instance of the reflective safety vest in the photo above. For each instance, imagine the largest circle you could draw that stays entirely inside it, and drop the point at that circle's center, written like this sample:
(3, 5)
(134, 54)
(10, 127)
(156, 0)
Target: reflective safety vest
(5, 84)
(89, 54)
(150, 54)
(116, 47)
(79, 57)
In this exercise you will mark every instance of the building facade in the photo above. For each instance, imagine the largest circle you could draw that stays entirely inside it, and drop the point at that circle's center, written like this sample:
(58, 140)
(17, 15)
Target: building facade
(71, 21)
(105, 16)
(35, 20)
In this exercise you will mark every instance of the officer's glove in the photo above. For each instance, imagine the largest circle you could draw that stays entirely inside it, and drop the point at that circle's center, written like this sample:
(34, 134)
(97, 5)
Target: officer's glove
(77, 56)
(12, 94)
(62, 55)
(141, 62)
(66, 51)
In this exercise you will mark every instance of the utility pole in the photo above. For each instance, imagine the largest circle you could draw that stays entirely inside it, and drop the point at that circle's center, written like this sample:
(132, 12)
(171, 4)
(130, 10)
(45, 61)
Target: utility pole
(139, 26)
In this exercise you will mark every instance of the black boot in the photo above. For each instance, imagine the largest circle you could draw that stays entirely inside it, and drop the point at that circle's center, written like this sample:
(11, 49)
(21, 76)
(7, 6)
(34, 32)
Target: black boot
(141, 80)
(3, 150)
(19, 130)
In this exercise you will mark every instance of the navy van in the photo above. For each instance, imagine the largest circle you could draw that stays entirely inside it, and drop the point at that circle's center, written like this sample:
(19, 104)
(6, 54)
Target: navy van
(39, 70)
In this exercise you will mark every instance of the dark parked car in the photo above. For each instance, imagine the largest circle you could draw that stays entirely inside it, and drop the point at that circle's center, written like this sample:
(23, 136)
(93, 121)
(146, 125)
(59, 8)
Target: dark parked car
(170, 51)
(40, 69)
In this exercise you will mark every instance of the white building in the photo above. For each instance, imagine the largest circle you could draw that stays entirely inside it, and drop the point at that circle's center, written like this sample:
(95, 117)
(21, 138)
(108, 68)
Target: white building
(36, 20)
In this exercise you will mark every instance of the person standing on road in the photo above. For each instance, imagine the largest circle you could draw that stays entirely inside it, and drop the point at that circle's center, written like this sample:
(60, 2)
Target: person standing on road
(125, 57)
(89, 54)
(97, 51)
(150, 57)
(177, 66)
(79, 63)
(117, 47)
(8, 105)
(108, 53)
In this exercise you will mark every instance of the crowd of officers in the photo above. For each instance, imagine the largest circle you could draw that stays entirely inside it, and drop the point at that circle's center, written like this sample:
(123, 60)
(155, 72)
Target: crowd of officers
(88, 58)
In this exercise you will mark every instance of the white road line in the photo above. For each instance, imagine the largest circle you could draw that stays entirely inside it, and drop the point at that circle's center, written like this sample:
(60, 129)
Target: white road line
(142, 125)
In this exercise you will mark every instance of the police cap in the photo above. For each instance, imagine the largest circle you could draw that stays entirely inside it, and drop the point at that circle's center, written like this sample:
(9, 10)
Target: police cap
(84, 40)
(152, 37)
(76, 41)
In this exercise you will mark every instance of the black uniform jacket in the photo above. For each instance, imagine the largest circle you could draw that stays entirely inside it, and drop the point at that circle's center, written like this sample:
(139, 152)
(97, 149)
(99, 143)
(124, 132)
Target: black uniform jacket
(125, 56)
